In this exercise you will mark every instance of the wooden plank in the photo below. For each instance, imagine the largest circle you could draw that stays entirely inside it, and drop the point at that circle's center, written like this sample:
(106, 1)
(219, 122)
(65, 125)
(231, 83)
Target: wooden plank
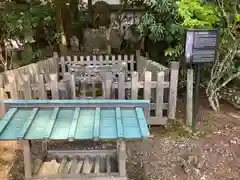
(2, 96)
(41, 88)
(100, 60)
(97, 164)
(119, 59)
(125, 57)
(63, 67)
(76, 103)
(107, 59)
(189, 104)
(119, 123)
(141, 122)
(173, 90)
(95, 62)
(81, 59)
(122, 158)
(156, 121)
(37, 165)
(134, 85)
(121, 87)
(13, 87)
(114, 59)
(86, 165)
(73, 127)
(140, 84)
(63, 164)
(102, 164)
(67, 167)
(147, 85)
(96, 131)
(2, 93)
(73, 86)
(111, 176)
(132, 63)
(54, 86)
(45, 168)
(7, 118)
(74, 165)
(69, 60)
(81, 153)
(159, 94)
(28, 123)
(107, 84)
(79, 166)
(108, 164)
(27, 87)
(75, 58)
(27, 159)
(51, 123)
(94, 88)
(88, 60)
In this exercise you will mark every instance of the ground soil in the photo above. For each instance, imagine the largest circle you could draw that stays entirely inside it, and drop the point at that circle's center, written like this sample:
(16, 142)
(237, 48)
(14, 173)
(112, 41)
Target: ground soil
(173, 152)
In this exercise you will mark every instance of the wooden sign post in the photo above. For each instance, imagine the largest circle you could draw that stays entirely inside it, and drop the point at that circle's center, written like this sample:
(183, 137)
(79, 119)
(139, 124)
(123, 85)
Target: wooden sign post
(200, 48)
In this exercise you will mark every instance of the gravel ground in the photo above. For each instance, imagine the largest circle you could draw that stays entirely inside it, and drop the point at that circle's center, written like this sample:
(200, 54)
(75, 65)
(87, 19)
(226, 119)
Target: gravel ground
(173, 152)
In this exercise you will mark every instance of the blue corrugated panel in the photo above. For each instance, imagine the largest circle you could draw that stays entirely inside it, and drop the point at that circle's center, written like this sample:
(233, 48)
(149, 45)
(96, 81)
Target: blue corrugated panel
(73, 123)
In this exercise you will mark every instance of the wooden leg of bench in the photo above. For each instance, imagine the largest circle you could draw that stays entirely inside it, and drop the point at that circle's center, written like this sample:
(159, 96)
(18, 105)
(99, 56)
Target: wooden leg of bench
(122, 158)
(27, 159)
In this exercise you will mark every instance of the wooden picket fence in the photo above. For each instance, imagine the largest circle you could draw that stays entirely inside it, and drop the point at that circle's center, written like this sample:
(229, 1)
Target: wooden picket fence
(45, 67)
(95, 60)
(148, 80)
(152, 90)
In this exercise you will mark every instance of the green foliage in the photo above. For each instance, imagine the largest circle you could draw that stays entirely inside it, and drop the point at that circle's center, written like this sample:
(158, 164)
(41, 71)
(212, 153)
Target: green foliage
(161, 22)
(22, 20)
(196, 14)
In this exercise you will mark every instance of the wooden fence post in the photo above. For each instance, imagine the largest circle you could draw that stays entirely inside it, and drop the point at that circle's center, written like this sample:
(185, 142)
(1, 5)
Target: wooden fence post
(147, 85)
(2, 96)
(54, 86)
(159, 94)
(107, 84)
(121, 86)
(13, 86)
(41, 87)
(189, 103)
(63, 67)
(173, 87)
(134, 85)
(71, 81)
(27, 91)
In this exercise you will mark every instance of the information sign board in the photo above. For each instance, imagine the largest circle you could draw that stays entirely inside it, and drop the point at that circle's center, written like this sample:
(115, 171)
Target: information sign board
(201, 45)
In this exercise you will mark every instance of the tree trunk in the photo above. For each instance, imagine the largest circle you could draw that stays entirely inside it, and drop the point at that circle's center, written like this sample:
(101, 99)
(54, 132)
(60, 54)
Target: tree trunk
(59, 5)
(90, 11)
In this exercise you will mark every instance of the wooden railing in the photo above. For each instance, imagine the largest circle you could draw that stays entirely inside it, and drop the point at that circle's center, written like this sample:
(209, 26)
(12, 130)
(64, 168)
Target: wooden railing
(152, 81)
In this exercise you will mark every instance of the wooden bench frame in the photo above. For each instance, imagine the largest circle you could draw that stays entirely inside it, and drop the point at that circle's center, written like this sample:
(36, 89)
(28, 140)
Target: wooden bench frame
(121, 145)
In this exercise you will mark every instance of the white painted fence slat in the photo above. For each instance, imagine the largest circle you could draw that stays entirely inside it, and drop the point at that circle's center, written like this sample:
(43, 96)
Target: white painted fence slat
(27, 91)
(13, 87)
(134, 88)
(121, 86)
(63, 67)
(189, 108)
(147, 85)
(159, 94)
(173, 90)
(41, 88)
(54, 86)
(73, 86)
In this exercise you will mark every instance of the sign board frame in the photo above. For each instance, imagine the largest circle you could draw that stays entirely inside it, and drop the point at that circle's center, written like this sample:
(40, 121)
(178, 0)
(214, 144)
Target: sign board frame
(190, 41)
